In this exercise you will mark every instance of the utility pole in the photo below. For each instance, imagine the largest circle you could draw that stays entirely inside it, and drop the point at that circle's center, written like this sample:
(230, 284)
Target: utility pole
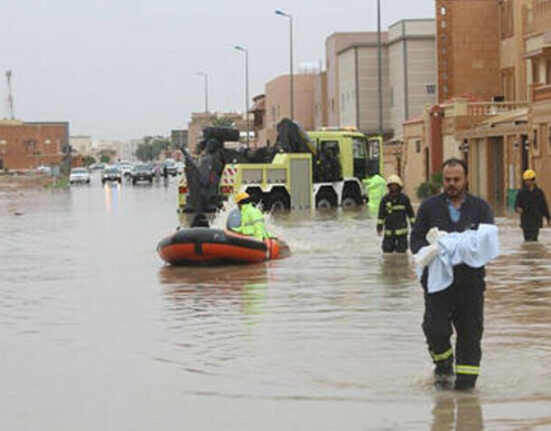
(10, 96)
(380, 68)
(246, 51)
(291, 85)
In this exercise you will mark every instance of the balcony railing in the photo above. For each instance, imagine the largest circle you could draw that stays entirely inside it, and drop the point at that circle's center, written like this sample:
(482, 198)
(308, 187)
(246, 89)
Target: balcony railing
(541, 93)
(537, 16)
(476, 109)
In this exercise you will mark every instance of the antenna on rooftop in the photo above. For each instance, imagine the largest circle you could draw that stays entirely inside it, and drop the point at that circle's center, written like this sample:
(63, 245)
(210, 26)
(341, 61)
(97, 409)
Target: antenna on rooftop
(10, 97)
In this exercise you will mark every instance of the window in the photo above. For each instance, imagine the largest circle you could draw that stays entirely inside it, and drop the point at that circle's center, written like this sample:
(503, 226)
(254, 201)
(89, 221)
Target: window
(417, 146)
(548, 71)
(443, 11)
(535, 140)
(506, 19)
(535, 71)
(3, 142)
(391, 97)
(359, 148)
(431, 88)
(549, 139)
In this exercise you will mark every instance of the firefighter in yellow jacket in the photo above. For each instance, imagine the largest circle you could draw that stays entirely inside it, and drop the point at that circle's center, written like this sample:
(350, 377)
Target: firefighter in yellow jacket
(252, 220)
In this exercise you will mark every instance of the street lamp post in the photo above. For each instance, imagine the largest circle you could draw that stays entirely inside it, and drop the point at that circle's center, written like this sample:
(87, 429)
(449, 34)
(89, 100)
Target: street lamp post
(246, 51)
(380, 68)
(206, 77)
(288, 15)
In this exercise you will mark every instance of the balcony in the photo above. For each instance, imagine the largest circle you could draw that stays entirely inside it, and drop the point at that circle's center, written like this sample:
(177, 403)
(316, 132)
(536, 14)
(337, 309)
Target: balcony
(541, 93)
(480, 109)
(537, 17)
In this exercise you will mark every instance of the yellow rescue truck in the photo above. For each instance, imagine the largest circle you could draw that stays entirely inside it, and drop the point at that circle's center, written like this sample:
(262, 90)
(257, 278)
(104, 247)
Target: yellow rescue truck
(329, 177)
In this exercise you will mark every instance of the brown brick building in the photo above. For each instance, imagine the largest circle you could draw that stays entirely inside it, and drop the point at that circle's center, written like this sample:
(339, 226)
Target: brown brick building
(28, 145)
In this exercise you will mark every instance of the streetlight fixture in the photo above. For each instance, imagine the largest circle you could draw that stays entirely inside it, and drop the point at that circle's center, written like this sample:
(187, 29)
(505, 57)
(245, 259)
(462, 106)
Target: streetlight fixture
(288, 15)
(206, 77)
(246, 51)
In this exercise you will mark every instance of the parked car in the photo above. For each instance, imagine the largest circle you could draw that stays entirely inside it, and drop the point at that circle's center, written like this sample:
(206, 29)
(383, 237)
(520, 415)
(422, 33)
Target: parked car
(171, 167)
(44, 170)
(111, 174)
(141, 172)
(79, 176)
(126, 169)
(180, 166)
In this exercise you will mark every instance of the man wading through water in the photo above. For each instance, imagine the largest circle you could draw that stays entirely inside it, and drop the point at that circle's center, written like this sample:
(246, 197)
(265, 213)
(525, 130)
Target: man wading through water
(460, 304)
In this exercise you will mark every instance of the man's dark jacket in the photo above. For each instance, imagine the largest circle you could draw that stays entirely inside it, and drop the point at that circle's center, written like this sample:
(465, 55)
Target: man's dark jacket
(434, 212)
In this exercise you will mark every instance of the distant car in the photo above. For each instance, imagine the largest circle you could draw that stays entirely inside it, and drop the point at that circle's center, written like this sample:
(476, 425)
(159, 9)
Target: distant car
(171, 167)
(126, 169)
(112, 174)
(79, 176)
(44, 170)
(180, 166)
(141, 172)
(98, 166)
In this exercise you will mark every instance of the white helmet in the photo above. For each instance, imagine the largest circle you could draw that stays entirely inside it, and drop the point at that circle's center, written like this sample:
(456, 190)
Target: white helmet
(394, 179)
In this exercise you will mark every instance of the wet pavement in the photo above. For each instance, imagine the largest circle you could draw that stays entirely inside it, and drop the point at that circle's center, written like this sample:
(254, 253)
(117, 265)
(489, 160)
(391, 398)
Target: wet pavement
(97, 334)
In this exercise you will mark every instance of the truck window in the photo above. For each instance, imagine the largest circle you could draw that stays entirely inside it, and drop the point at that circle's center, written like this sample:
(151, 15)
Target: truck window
(374, 148)
(359, 148)
(333, 145)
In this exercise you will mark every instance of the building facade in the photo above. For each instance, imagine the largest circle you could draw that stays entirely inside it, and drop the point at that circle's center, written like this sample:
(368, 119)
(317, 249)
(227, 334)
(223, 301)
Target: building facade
(334, 44)
(278, 104)
(27, 145)
(412, 69)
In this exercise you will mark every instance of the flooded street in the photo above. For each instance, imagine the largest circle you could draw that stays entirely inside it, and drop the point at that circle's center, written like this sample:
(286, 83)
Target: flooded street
(97, 334)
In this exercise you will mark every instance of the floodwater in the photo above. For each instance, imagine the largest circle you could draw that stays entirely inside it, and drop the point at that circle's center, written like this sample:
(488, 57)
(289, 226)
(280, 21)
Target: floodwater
(97, 334)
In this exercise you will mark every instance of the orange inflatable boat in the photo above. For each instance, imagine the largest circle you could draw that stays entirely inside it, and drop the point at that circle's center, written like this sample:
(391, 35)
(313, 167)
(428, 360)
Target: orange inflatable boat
(201, 245)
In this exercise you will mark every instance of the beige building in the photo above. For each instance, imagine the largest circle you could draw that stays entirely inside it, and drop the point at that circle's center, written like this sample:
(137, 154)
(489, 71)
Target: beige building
(412, 69)
(200, 120)
(335, 44)
(320, 100)
(359, 87)
(81, 144)
(277, 103)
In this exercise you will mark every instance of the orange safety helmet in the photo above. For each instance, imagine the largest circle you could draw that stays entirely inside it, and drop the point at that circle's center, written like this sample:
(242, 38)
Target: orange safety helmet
(240, 196)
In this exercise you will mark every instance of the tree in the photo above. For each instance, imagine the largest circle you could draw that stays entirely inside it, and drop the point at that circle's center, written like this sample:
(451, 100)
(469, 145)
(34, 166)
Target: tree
(151, 147)
(221, 121)
(88, 160)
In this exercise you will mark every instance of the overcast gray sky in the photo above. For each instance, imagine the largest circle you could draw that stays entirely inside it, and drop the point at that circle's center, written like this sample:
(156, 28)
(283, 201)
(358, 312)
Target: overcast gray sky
(127, 68)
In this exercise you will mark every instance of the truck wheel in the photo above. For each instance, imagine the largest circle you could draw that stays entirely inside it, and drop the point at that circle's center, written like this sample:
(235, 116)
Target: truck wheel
(351, 197)
(278, 201)
(134, 182)
(326, 199)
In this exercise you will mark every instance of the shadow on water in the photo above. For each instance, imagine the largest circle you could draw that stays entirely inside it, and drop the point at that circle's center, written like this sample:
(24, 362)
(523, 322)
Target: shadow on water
(457, 412)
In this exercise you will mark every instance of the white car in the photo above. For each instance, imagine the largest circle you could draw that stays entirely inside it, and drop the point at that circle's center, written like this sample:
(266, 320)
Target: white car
(79, 176)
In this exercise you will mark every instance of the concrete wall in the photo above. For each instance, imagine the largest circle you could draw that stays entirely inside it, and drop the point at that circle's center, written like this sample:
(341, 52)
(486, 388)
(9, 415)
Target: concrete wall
(278, 101)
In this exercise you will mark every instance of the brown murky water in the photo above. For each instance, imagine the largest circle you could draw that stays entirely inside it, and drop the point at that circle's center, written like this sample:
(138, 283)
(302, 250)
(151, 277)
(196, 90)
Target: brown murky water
(97, 334)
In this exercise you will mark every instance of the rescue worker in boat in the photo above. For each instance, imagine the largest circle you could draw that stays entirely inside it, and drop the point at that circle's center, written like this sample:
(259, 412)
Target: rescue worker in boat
(394, 211)
(532, 207)
(252, 220)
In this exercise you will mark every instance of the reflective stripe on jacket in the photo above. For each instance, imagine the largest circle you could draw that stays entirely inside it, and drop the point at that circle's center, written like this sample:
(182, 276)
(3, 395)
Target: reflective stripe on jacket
(394, 213)
(252, 223)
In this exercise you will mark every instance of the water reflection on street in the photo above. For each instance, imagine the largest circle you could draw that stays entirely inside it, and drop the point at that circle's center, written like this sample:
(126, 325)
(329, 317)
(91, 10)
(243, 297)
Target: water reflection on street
(98, 334)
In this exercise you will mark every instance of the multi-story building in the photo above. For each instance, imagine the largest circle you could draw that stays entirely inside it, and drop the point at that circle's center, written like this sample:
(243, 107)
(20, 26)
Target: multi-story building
(467, 48)
(334, 44)
(278, 104)
(200, 120)
(81, 144)
(412, 69)
(27, 145)
(179, 138)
